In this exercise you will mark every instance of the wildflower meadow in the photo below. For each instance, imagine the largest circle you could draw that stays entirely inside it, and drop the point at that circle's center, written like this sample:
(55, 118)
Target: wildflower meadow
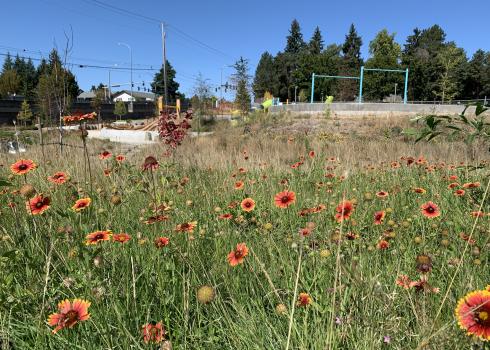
(264, 241)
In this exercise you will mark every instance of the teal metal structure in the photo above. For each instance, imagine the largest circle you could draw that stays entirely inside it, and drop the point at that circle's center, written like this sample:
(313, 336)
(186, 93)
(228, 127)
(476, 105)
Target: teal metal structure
(361, 80)
(313, 76)
(384, 70)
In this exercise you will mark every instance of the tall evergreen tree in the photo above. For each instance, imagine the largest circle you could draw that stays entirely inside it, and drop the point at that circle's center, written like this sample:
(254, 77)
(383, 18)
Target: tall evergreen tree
(8, 64)
(30, 81)
(420, 56)
(351, 49)
(9, 83)
(158, 84)
(27, 76)
(295, 42)
(315, 46)
(9, 79)
(264, 76)
(286, 63)
(475, 76)
(486, 77)
(351, 64)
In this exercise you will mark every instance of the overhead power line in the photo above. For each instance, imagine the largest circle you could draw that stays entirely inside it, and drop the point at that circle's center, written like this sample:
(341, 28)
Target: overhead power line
(154, 20)
(84, 65)
(46, 54)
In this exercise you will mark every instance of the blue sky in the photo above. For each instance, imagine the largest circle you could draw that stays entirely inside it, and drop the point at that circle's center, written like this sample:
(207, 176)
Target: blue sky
(227, 29)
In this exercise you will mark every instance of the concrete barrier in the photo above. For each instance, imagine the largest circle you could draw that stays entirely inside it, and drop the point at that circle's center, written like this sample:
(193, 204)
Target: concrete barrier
(365, 109)
(136, 137)
(125, 136)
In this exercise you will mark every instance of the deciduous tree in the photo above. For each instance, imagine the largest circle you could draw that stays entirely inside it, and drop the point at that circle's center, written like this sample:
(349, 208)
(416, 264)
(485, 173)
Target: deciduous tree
(241, 78)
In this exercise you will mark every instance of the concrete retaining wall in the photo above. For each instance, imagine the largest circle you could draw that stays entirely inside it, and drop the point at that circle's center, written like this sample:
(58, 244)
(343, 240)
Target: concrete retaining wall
(365, 109)
(136, 137)
(125, 136)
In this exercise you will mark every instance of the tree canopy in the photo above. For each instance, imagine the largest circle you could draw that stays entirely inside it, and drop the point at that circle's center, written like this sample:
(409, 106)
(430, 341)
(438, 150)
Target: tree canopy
(158, 84)
(438, 69)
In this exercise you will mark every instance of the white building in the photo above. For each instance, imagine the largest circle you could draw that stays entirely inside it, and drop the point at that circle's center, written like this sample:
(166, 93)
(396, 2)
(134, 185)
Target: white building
(125, 96)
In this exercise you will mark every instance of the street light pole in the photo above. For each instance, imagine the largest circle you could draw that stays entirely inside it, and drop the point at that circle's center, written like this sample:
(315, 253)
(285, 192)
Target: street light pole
(131, 60)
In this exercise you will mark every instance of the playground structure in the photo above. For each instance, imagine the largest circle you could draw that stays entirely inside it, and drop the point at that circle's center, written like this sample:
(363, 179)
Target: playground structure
(361, 80)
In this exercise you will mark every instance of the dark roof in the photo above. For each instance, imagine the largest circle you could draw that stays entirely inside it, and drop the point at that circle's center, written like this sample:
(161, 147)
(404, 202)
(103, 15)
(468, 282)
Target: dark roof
(86, 95)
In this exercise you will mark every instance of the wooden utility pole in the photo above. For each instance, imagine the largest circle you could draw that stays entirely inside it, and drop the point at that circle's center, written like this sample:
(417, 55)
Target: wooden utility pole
(164, 54)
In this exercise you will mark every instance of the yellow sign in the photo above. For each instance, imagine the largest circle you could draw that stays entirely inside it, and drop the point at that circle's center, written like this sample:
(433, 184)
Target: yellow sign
(160, 104)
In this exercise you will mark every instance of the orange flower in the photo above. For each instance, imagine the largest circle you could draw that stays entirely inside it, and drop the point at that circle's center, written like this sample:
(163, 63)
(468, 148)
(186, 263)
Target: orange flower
(248, 204)
(403, 281)
(239, 185)
(58, 178)
(236, 256)
(22, 166)
(97, 236)
(430, 210)
(121, 237)
(383, 245)
(344, 211)
(471, 185)
(421, 285)
(153, 332)
(306, 231)
(284, 199)
(453, 177)
(473, 314)
(419, 190)
(70, 313)
(382, 194)
(477, 214)
(105, 155)
(161, 242)
(79, 118)
(107, 172)
(226, 216)
(81, 204)
(186, 227)
(303, 299)
(459, 193)
(38, 205)
(120, 158)
(452, 185)
(311, 154)
(379, 217)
